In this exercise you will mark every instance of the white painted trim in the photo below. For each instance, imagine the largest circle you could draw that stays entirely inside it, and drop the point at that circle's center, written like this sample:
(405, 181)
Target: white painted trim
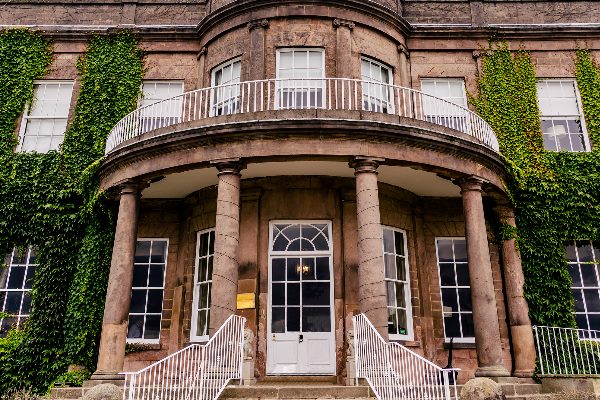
(437, 260)
(193, 337)
(299, 254)
(151, 341)
(408, 294)
(25, 117)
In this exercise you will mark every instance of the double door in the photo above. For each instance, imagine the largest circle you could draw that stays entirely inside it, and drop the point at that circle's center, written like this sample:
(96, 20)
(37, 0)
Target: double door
(300, 338)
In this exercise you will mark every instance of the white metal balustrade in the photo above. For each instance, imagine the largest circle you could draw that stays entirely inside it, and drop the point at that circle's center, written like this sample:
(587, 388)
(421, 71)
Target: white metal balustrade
(567, 351)
(395, 372)
(335, 94)
(198, 372)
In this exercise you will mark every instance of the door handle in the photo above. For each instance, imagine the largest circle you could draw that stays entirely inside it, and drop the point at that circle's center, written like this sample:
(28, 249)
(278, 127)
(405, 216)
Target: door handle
(301, 338)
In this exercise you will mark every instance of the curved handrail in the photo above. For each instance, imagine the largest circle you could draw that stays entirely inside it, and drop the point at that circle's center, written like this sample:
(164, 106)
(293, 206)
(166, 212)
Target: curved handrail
(396, 372)
(337, 94)
(194, 372)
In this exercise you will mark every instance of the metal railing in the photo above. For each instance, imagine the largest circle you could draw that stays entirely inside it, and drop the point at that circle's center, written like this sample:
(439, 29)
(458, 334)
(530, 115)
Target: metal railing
(395, 372)
(567, 351)
(197, 372)
(300, 94)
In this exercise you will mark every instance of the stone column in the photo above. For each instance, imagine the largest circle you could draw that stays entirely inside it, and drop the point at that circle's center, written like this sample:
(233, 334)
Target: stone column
(518, 311)
(227, 242)
(118, 296)
(483, 298)
(257, 49)
(344, 66)
(371, 276)
(404, 62)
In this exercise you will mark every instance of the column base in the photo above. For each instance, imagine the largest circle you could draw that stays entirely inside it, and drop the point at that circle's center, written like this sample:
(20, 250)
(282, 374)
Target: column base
(494, 370)
(523, 373)
(100, 377)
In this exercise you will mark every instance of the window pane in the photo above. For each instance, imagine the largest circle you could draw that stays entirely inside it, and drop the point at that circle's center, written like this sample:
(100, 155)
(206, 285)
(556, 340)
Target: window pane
(578, 296)
(152, 328)
(156, 275)
(293, 294)
(452, 325)
(293, 269)
(13, 302)
(142, 251)
(462, 275)
(140, 275)
(445, 251)
(574, 272)
(315, 293)
(588, 273)
(278, 319)
(592, 300)
(392, 321)
(447, 275)
(278, 269)
(322, 268)
(202, 324)
(467, 325)
(464, 297)
(135, 327)
(278, 296)
(155, 298)
(138, 301)
(16, 278)
(316, 319)
(293, 319)
(449, 299)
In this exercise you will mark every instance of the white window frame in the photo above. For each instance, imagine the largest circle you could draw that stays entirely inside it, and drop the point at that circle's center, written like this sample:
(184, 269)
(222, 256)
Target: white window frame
(595, 264)
(300, 254)
(456, 339)
(157, 340)
(316, 84)
(370, 85)
(194, 337)
(26, 117)
(230, 94)
(21, 318)
(442, 113)
(410, 334)
(164, 114)
(580, 116)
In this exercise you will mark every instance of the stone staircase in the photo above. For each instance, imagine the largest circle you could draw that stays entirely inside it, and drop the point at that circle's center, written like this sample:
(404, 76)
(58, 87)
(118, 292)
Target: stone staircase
(319, 387)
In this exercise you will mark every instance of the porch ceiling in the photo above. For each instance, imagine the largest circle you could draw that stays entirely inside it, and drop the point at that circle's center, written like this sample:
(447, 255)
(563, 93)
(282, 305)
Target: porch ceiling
(421, 183)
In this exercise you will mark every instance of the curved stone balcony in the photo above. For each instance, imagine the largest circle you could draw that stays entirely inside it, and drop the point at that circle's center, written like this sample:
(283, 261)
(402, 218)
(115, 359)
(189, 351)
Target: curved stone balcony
(303, 98)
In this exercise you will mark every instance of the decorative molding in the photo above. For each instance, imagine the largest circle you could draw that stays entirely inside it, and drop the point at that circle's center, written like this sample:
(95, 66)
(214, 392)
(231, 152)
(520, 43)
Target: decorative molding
(365, 164)
(337, 23)
(228, 166)
(402, 48)
(203, 51)
(471, 183)
(259, 23)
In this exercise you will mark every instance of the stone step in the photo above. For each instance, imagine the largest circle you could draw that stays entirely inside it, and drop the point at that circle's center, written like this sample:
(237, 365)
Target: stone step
(65, 393)
(521, 389)
(296, 392)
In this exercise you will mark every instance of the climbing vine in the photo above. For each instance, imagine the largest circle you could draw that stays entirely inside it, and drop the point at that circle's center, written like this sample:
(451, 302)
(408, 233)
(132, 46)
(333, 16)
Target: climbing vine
(51, 201)
(557, 194)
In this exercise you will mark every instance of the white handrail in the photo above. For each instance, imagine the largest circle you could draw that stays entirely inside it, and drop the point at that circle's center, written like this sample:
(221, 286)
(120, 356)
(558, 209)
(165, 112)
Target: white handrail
(395, 372)
(197, 372)
(567, 351)
(337, 94)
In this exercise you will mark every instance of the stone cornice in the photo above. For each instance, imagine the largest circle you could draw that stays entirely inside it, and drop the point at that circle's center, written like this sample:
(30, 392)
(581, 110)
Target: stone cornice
(254, 7)
(332, 131)
(524, 31)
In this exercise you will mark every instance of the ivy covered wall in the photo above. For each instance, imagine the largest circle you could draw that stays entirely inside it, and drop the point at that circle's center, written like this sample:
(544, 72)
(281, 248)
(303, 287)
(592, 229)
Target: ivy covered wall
(557, 194)
(51, 201)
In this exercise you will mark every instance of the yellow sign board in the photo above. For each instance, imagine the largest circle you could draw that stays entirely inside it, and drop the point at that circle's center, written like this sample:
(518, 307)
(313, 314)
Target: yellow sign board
(246, 301)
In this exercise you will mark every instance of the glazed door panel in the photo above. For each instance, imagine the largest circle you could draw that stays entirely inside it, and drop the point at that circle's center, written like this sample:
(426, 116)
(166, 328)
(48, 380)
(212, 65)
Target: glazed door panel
(300, 321)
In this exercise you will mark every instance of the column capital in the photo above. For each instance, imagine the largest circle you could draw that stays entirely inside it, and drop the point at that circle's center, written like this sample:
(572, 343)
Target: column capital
(338, 23)
(259, 23)
(470, 184)
(230, 166)
(402, 48)
(130, 187)
(202, 52)
(365, 164)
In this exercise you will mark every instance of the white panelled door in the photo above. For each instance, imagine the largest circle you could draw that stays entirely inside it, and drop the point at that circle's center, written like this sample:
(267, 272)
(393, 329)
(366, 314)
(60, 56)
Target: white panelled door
(300, 337)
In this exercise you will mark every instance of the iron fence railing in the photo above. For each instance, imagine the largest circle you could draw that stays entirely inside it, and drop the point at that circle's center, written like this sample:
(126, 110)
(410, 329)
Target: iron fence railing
(197, 372)
(567, 351)
(395, 372)
(301, 94)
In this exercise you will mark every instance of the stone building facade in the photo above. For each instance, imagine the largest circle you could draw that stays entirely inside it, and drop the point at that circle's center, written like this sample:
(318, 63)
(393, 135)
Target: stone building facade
(228, 189)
